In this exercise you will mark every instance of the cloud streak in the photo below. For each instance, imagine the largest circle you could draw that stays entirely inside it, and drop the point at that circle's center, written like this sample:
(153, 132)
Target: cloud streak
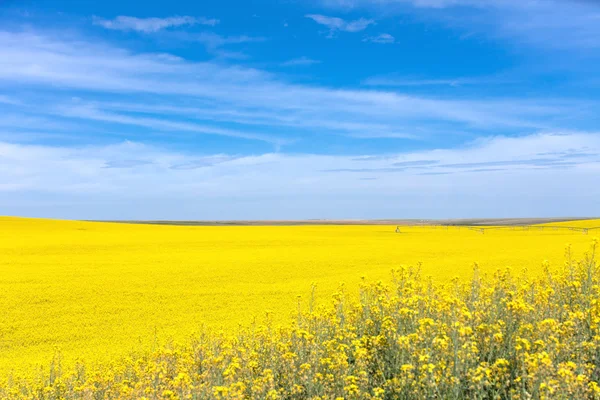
(551, 24)
(300, 62)
(8, 100)
(199, 97)
(382, 38)
(336, 24)
(490, 155)
(215, 43)
(499, 176)
(151, 25)
(399, 81)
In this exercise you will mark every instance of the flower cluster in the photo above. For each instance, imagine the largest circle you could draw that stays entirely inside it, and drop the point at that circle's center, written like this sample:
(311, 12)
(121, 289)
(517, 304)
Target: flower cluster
(496, 337)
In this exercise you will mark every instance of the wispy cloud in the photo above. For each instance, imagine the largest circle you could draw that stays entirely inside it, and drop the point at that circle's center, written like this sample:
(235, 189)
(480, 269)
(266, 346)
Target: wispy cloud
(89, 112)
(336, 24)
(7, 100)
(301, 61)
(399, 81)
(552, 24)
(382, 38)
(126, 163)
(549, 24)
(200, 97)
(415, 163)
(489, 155)
(216, 43)
(203, 162)
(106, 182)
(415, 3)
(151, 25)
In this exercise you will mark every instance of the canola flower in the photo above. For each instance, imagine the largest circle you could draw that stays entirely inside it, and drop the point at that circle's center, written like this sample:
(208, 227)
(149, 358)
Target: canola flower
(98, 291)
(505, 335)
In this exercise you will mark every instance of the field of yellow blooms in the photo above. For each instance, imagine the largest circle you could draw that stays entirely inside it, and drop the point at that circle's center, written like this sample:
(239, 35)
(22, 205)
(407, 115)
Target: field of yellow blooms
(167, 312)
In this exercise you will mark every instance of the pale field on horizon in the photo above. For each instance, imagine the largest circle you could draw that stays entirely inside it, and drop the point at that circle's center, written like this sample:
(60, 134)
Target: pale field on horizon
(591, 223)
(97, 291)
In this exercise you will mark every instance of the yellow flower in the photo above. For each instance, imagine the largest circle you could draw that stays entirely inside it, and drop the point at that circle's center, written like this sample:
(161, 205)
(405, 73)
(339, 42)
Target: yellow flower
(407, 367)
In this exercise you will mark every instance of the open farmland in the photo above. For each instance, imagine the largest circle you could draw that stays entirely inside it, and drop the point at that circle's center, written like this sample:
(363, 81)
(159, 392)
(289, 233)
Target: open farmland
(96, 291)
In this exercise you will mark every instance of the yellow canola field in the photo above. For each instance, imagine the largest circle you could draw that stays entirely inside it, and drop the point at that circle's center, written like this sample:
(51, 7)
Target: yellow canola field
(96, 291)
(585, 223)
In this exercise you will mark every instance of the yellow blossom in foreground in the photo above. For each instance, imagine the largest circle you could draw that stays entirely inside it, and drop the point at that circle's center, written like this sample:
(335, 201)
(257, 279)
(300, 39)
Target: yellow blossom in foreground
(463, 340)
(122, 307)
(98, 291)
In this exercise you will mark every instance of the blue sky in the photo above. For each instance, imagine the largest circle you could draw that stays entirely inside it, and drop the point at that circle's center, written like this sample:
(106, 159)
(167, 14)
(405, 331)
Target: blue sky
(299, 109)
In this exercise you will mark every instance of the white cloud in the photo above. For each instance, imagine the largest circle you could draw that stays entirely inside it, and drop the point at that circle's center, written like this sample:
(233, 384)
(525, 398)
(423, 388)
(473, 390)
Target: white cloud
(151, 25)
(214, 43)
(337, 24)
(301, 61)
(382, 38)
(88, 112)
(391, 80)
(556, 24)
(423, 3)
(532, 175)
(196, 97)
(213, 40)
(7, 100)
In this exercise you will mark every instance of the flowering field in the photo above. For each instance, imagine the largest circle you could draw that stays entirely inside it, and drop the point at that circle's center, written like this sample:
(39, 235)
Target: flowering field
(99, 292)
